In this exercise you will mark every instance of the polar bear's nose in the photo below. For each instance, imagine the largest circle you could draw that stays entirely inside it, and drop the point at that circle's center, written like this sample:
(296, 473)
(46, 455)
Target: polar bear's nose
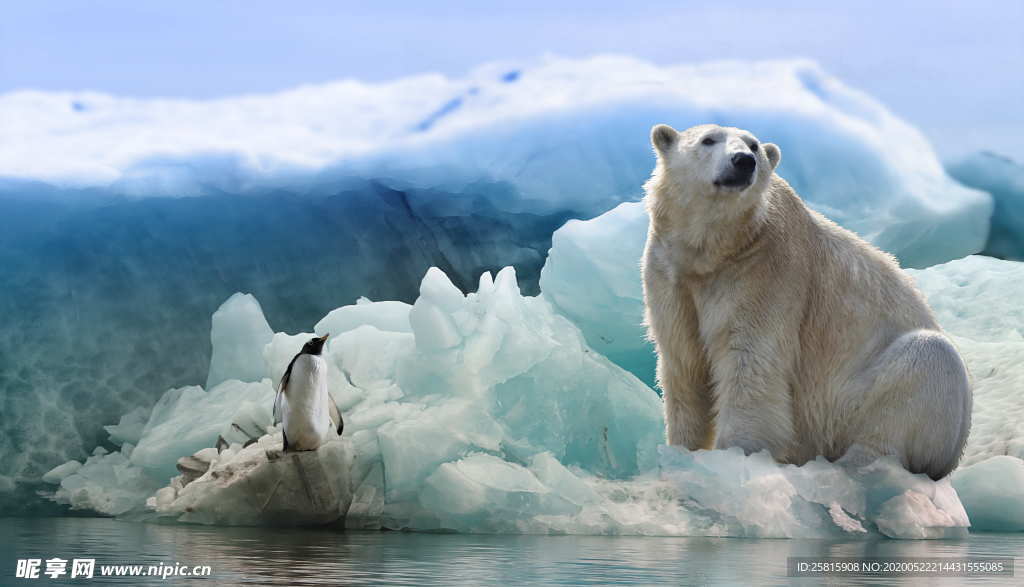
(744, 162)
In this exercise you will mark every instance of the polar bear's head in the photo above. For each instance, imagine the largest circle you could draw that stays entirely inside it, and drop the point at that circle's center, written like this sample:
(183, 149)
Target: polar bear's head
(710, 160)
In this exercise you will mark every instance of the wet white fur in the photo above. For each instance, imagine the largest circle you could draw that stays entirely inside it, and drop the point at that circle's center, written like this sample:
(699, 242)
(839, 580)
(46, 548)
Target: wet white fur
(305, 412)
(777, 329)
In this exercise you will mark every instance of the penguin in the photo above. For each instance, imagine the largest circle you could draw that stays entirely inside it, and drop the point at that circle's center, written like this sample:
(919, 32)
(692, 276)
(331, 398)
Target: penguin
(303, 404)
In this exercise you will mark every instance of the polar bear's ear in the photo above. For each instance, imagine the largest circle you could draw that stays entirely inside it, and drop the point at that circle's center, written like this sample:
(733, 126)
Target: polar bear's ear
(663, 137)
(771, 150)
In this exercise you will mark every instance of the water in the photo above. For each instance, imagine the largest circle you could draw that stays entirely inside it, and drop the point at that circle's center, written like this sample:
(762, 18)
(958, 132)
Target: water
(262, 556)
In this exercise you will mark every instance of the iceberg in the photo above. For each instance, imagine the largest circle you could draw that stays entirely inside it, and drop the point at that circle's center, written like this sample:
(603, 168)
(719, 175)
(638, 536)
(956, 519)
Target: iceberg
(1003, 178)
(421, 386)
(552, 135)
(479, 412)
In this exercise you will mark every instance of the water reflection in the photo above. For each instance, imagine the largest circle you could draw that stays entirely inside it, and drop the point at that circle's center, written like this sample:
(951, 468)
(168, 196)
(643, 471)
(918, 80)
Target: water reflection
(264, 556)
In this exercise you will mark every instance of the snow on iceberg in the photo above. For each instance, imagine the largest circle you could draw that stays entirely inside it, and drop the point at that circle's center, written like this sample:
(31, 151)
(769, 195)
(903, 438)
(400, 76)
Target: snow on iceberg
(484, 412)
(563, 134)
(472, 174)
(1003, 178)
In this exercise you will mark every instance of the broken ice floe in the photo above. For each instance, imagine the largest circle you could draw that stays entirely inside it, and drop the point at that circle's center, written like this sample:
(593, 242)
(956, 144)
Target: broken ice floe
(484, 412)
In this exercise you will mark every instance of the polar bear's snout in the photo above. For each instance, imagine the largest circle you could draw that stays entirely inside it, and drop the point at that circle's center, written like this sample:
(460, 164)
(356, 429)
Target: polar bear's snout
(740, 171)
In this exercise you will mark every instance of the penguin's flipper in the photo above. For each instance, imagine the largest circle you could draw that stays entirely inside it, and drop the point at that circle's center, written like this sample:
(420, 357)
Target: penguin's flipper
(277, 407)
(283, 387)
(336, 419)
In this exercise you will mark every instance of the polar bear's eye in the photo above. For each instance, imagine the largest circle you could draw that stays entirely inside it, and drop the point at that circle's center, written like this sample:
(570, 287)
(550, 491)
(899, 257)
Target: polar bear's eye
(753, 147)
(708, 141)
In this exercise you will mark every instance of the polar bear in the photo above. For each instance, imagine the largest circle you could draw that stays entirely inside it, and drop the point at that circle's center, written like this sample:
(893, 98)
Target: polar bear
(777, 329)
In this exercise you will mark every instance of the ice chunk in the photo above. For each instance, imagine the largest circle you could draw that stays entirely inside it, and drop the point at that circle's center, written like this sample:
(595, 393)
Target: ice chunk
(238, 336)
(592, 276)
(434, 329)
(517, 427)
(1003, 178)
(58, 473)
(915, 515)
(484, 491)
(261, 484)
(755, 496)
(517, 381)
(108, 484)
(413, 447)
(193, 419)
(389, 316)
(705, 493)
(992, 492)
(570, 485)
(129, 428)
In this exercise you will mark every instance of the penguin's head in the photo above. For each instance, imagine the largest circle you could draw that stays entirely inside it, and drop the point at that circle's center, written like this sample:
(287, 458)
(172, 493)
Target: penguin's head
(315, 345)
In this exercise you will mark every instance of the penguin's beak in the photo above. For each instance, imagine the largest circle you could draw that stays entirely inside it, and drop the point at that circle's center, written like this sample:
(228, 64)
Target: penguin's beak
(324, 337)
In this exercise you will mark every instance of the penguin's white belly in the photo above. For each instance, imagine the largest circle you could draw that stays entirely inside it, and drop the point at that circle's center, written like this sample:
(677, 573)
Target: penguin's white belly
(304, 413)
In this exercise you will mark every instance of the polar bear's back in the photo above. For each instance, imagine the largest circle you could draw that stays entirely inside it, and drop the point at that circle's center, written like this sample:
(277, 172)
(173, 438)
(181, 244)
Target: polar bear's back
(850, 279)
(858, 302)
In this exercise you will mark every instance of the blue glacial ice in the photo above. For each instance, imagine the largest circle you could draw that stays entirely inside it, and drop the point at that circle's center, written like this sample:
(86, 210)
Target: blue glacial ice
(238, 335)
(1003, 178)
(993, 491)
(484, 412)
(124, 223)
(592, 276)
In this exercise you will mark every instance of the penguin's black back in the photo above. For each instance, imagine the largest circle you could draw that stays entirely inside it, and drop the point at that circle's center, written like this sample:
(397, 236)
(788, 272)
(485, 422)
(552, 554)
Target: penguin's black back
(288, 373)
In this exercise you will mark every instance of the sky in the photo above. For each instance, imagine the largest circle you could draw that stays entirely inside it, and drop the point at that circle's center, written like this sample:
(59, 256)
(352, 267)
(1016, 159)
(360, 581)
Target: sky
(954, 69)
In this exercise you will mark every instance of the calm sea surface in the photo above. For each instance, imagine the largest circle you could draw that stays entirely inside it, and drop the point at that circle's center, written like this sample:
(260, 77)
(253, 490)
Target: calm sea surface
(262, 556)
